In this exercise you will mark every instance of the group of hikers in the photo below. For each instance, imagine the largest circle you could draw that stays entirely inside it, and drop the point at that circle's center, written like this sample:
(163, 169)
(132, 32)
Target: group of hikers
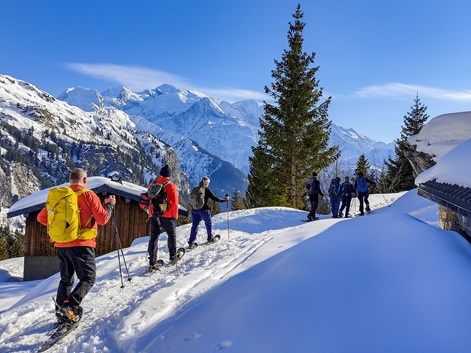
(340, 195)
(78, 255)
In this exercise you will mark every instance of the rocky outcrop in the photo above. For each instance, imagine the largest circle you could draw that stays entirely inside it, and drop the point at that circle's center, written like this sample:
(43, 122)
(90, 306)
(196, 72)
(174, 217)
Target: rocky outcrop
(419, 161)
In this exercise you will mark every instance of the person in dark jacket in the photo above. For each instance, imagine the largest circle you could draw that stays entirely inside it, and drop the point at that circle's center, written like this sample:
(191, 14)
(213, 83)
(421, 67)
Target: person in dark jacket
(204, 213)
(346, 194)
(313, 190)
(334, 195)
(361, 189)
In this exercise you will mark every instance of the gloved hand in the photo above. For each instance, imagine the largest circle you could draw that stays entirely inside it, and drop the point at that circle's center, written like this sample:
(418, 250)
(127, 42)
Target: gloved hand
(110, 199)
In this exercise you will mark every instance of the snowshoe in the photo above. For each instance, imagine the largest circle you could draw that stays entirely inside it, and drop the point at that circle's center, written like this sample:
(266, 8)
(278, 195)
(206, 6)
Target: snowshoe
(192, 246)
(153, 269)
(180, 253)
(60, 330)
(213, 240)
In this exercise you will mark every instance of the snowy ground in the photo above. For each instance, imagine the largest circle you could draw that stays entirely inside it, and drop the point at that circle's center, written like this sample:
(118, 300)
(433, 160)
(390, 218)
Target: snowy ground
(388, 282)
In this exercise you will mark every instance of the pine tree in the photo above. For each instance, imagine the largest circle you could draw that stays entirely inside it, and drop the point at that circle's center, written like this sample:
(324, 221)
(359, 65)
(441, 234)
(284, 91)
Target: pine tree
(237, 202)
(214, 207)
(294, 132)
(4, 253)
(362, 166)
(399, 175)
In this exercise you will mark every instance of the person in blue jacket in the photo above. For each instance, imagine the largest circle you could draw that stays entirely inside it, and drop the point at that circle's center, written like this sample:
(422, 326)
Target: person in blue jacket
(361, 189)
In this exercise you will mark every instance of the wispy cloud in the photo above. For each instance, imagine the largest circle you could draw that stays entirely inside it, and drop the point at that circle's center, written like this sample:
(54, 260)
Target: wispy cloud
(139, 78)
(401, 90)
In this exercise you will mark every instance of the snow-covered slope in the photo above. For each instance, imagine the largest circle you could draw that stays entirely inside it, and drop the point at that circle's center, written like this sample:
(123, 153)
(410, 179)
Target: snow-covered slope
(386, 283)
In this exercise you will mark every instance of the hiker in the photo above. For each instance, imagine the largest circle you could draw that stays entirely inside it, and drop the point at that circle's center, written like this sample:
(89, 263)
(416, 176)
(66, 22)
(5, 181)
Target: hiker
(346, 194)
(334, 195)
(361, 189)
(203, 213)
(313, 190)
(78, 256)
(164, 222)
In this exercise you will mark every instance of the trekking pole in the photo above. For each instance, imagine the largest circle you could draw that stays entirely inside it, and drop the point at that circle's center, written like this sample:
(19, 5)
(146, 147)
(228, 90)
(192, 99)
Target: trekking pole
(119, 248)
(227, 212)
(382, 194)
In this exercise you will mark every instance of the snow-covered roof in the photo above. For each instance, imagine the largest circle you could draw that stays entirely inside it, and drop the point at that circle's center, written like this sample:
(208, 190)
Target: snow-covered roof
(443, 133)
(447, 138)
(37, 200)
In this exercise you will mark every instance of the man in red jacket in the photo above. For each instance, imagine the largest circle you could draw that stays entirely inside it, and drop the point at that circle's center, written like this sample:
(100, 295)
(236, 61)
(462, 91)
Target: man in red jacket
(78, 256)
(167, 222)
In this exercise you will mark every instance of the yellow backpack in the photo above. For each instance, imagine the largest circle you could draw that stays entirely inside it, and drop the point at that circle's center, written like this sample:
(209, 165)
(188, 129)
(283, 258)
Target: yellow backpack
(63, 216)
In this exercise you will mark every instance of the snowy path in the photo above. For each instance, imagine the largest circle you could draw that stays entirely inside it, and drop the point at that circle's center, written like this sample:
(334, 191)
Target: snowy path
(122, 316)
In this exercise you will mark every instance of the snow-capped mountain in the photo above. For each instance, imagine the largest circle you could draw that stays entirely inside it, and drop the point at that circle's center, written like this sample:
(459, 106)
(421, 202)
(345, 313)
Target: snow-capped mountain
(43, 137)
(353, 145)
(221, 128)
(228, 133)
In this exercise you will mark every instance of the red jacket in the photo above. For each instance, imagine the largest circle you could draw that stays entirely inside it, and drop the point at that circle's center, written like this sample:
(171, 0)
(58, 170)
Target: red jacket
(89, 204)
(172, 198)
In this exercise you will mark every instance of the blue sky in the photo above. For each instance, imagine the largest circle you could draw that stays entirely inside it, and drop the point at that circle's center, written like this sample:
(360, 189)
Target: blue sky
(374, 56)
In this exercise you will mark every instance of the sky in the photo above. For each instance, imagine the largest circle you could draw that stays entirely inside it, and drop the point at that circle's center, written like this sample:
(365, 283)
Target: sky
(374, 56)
(391, 281)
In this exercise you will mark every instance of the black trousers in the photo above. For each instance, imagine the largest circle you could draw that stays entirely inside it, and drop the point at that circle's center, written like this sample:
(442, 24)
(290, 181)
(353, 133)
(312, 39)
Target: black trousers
(79, 260)
(314, 199)
(346, 200)
(169, 226)
(363, 197)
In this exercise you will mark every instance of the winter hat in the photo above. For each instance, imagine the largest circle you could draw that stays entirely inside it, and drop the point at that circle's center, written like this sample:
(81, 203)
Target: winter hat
(347, 178)
(165, 171)
(314, 174)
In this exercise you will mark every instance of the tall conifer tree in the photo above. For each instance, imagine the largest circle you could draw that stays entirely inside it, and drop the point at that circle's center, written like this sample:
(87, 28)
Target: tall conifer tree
(399, 174)
(294, 131)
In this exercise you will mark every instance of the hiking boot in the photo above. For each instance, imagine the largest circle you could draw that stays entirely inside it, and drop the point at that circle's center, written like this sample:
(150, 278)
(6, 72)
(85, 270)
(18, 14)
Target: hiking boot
(368, 209)
(212, 240)
(340, 214)
(69, 313)
(347, 215)
(192, 246)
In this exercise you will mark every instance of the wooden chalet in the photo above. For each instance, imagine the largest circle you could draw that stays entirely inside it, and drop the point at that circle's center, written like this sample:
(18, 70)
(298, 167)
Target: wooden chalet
(40, 260)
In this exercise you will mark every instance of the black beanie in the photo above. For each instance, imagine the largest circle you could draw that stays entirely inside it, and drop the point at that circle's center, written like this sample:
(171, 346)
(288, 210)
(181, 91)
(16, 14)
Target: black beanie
(165, 171)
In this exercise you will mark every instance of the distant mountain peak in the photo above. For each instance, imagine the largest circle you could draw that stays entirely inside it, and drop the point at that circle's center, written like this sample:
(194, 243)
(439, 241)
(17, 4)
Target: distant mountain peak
(166, 88)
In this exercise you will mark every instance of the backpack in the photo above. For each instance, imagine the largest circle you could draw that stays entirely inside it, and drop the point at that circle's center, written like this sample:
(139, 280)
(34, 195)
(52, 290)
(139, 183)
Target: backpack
(347, 189)
(63, 216)
(361, 184)
(334, 190)
(312, 186)
(154, 200)
(197, 198)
